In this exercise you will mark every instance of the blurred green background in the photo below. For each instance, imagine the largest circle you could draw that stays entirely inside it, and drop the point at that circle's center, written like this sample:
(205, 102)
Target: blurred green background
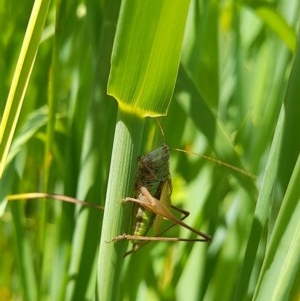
(236, 99)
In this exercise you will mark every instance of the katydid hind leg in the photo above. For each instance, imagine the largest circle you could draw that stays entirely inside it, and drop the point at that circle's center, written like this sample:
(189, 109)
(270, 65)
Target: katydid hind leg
(147, 203)
(157, 207)
(138, 246)
(146, 239)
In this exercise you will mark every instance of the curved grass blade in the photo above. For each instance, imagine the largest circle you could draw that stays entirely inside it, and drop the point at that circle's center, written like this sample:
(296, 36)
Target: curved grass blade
(43, 195)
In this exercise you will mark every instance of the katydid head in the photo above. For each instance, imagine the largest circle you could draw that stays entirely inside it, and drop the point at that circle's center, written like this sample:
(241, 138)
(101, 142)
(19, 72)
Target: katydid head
(153, 166)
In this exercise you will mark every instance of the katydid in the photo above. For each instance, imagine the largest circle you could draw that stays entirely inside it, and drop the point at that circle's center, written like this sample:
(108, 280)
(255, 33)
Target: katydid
(152, 197)
(153, 190)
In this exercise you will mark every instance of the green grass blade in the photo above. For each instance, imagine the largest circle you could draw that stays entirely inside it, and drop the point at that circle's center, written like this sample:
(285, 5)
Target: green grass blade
(94, 161)
(206, 121)
(34, 122)
(21, 77)
(143, 81)
(276, 22)
(24, 252)
(261, 210)
(291, 143)
(282, 263)
(126, 149)
(286, 122)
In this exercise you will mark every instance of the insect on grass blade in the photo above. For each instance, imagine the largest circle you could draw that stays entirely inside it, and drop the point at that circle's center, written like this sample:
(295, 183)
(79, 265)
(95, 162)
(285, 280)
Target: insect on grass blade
(152, 198)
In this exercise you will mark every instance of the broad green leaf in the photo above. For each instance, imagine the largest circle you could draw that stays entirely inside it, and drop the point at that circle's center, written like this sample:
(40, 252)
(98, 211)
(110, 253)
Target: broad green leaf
(143, 81)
